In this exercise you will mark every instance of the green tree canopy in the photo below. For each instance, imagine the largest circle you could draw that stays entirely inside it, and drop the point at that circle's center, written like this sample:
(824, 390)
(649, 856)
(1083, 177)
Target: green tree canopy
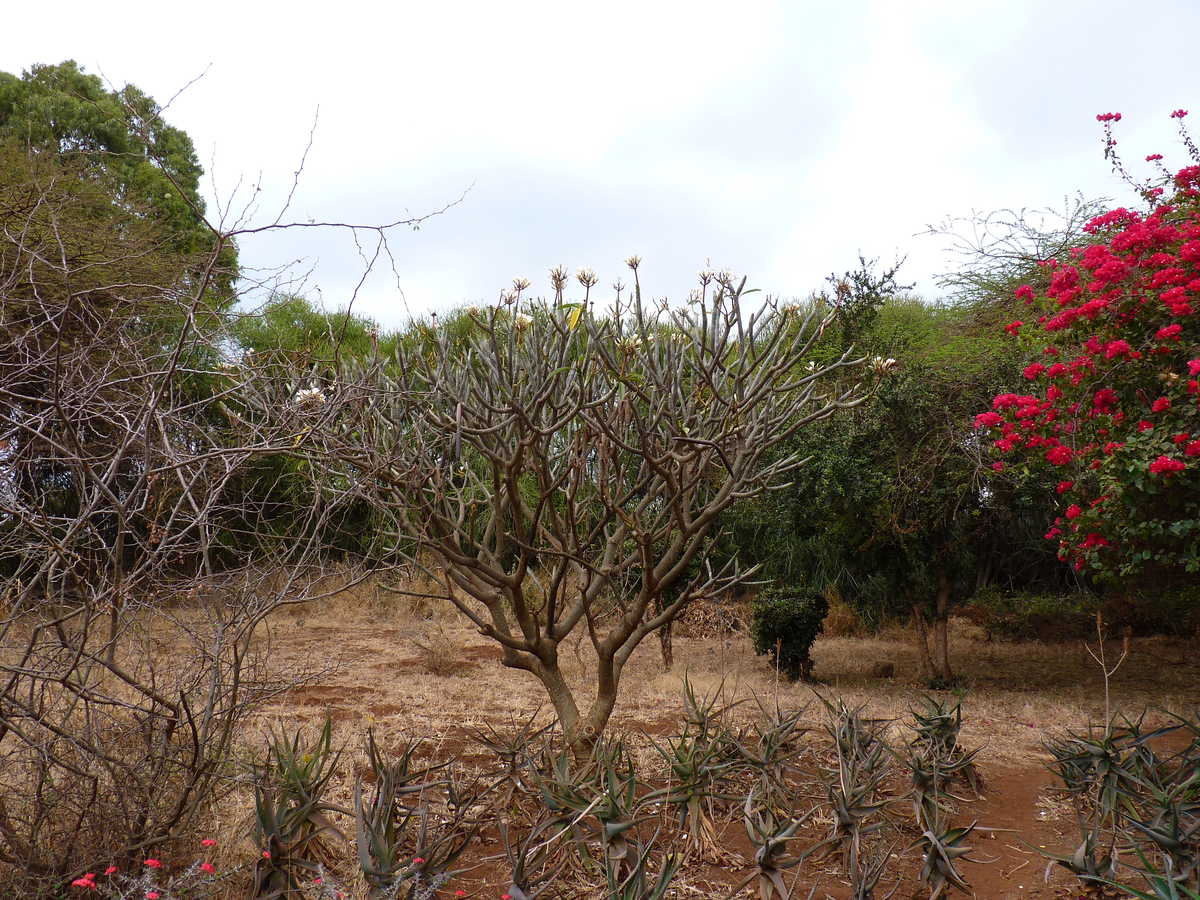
(63, 110)
(893, 509)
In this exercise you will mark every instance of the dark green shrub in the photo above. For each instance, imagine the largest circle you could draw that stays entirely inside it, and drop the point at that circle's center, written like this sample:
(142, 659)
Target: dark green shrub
(786, 622)
(1022, 616)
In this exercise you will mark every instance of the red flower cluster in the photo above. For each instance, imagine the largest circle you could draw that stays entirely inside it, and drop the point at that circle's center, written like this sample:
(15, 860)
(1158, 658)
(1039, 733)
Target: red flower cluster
(1122, 324)
(1166, 465)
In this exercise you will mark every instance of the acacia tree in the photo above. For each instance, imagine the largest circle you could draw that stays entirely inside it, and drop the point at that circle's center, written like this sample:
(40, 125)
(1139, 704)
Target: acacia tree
(564, 470)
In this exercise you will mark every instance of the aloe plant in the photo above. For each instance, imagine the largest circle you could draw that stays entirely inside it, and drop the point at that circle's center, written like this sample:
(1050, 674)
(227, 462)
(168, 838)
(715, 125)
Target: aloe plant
(1091, 862)
(382, 820)
(774, 750)
(941, 850)
(698, 765)
(640, 883)
(703, 713)
(936, 728)
(854, 785)
(533, 862)
(290, 810)
(769, 835)
(1161, 884)
(514, 748)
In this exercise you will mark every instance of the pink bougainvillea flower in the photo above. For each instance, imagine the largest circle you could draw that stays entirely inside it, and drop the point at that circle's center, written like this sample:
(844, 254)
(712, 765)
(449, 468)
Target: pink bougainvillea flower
(208, 842)
(1169, 332)
(1060, 455)
(1117, 348)
(154, 863)
(1166, 465)
(208, 868)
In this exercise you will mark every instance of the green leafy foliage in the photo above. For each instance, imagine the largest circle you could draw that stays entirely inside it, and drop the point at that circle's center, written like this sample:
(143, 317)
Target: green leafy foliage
(65, 111)
(892, 509)
(785, 625)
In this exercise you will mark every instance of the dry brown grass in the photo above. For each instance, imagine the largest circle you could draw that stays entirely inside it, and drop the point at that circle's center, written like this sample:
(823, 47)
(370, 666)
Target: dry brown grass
(841, 620)
(1017, 692)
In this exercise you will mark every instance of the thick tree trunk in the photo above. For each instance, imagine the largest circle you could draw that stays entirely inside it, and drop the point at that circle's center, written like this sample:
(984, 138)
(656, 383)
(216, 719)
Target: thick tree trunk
(664, 643)
(593, 724)
(922, 629)
(580, 730)
(941, 630)
(562, 699)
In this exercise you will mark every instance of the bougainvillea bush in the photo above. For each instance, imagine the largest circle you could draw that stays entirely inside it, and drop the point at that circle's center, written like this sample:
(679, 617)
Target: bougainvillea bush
(1112, 404)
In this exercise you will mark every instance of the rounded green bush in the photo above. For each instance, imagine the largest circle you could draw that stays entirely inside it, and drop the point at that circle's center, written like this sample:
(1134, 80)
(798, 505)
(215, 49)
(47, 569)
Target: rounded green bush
(786, 622)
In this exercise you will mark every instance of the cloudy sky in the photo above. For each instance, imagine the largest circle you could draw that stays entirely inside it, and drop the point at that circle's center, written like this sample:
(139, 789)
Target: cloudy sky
(773, 139)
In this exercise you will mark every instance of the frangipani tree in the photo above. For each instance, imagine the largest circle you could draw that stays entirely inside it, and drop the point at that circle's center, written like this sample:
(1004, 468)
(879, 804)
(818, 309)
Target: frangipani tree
(562, 468)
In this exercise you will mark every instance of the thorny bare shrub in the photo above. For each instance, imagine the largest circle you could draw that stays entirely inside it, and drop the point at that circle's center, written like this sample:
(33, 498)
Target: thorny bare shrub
(130, 556)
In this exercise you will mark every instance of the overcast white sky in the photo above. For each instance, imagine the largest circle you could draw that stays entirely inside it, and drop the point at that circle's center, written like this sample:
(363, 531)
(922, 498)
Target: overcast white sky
(773, 139)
